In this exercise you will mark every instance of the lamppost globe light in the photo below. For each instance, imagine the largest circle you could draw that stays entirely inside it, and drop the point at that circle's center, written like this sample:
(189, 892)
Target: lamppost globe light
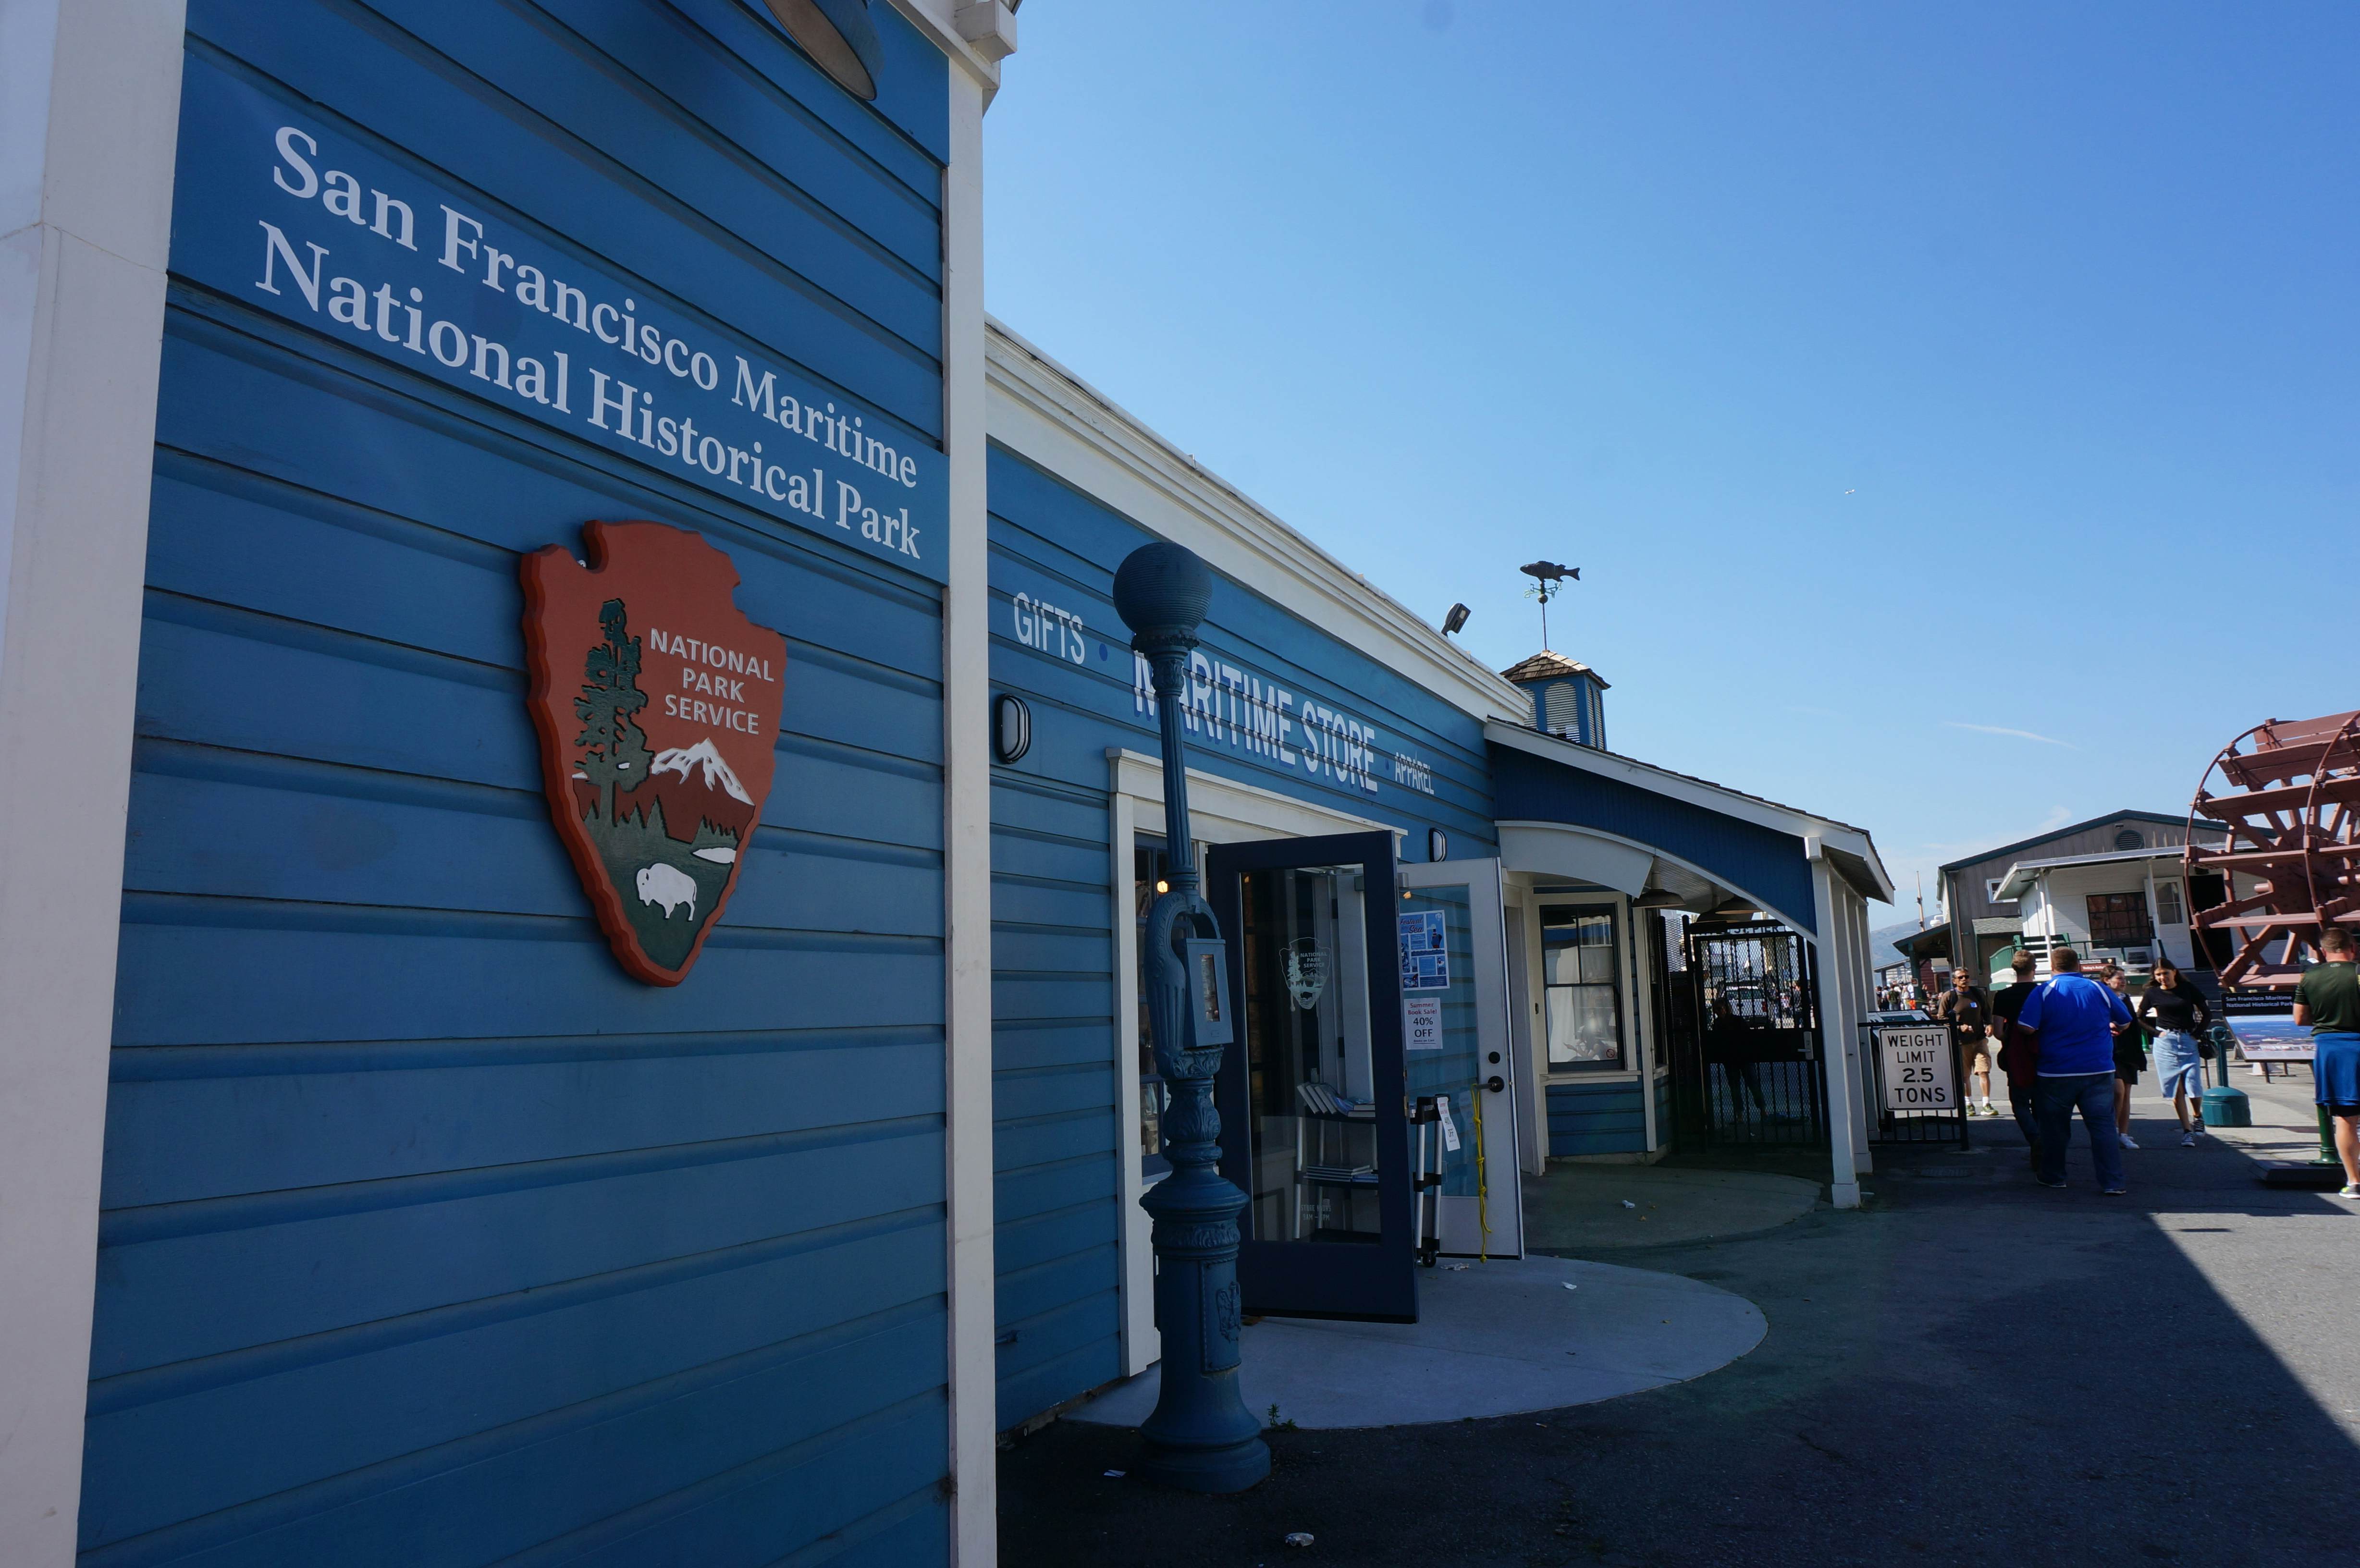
(1161, 591)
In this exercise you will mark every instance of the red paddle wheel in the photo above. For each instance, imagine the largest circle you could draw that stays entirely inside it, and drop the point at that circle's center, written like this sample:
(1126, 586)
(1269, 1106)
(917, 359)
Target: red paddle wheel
(2290, 794)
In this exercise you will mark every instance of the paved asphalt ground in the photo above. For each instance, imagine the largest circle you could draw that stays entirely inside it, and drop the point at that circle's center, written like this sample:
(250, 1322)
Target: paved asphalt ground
(1972, 1369)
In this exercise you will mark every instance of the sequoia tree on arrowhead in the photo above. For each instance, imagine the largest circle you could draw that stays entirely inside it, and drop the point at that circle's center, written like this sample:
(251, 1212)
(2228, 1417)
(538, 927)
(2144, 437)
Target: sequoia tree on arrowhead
(616, 747)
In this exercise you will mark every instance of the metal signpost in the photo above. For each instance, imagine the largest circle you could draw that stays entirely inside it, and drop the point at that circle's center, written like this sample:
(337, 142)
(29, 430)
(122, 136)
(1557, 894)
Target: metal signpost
(1201, 1437)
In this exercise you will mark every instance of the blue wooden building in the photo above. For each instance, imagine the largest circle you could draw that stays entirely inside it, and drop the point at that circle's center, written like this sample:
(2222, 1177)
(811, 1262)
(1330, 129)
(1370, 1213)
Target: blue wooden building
(356, 1205)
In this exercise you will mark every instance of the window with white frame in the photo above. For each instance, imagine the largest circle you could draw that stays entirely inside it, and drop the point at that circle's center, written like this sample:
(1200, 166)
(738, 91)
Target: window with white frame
(1582, 992)
(2168, 910)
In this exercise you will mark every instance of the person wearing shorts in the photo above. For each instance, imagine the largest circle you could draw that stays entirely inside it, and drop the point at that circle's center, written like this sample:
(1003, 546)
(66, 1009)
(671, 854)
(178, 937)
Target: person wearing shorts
(2327, 998)
(2177, 1015)
(1965, 1008)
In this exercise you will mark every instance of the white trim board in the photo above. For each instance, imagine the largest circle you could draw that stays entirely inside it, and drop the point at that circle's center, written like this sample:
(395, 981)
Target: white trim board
(1053, 418)
(90, 102)
(974, 1369)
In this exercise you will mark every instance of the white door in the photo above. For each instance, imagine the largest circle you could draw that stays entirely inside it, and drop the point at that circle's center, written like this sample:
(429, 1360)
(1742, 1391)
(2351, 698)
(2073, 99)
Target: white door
(1458, 1043)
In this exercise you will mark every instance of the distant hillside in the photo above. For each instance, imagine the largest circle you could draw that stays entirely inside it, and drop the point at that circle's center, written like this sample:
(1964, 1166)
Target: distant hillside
(1880, 943)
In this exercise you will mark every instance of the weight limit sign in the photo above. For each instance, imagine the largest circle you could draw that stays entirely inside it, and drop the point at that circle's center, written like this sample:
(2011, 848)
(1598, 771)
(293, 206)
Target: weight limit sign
(1918, 1073)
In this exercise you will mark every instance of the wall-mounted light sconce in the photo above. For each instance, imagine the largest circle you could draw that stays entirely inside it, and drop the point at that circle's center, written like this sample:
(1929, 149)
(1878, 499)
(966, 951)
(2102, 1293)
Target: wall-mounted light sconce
(1012, 728)
(839, 36)
(1438, 844)
(1455, 619)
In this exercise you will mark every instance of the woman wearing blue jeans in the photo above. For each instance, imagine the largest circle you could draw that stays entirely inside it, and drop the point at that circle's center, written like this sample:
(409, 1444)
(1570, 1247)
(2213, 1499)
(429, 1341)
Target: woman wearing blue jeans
(2175, 1012)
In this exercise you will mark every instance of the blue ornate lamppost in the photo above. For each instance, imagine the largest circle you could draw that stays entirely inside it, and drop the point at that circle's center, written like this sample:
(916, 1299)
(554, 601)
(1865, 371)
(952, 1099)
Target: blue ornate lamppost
(1201, 1438)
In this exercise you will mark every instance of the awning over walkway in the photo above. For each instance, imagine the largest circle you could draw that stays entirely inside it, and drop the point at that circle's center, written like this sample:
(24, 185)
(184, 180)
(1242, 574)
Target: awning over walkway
(1579, 811)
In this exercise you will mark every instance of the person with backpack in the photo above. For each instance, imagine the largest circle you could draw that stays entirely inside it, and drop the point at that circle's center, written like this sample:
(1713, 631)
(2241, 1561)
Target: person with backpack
(1963, 1009)
(2018, 1057)
(2176, 1013)
(2073, 1017)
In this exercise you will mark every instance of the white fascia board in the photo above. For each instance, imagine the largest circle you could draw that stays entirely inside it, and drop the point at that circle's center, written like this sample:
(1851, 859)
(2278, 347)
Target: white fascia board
(1845, 841)
(1052, 418)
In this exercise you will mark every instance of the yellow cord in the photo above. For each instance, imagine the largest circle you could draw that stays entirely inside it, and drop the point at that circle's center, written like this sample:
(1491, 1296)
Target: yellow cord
(1482, 1185)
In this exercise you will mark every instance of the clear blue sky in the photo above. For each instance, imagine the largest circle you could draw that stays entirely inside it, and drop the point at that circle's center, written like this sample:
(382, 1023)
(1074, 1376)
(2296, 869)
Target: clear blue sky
(1887, 369)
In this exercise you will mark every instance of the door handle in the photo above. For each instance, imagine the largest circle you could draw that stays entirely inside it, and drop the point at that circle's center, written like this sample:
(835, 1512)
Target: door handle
(1495, 1083)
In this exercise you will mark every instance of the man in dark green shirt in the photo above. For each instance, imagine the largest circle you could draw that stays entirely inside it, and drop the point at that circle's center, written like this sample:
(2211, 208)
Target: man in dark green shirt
(2328, 999)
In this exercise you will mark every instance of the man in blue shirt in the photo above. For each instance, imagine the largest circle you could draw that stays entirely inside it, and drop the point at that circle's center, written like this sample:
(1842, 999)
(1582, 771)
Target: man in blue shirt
(2074, 1018)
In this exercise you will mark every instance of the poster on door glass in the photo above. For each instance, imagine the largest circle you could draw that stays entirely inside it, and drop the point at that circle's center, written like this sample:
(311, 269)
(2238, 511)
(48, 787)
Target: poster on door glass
(1425, 960)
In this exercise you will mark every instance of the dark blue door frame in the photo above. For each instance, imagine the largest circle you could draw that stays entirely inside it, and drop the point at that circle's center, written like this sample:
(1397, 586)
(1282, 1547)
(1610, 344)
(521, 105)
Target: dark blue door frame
(1298, 1278)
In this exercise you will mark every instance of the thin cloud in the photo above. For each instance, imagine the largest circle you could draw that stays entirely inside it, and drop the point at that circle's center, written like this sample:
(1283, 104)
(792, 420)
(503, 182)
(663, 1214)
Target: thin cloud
(2004, 730)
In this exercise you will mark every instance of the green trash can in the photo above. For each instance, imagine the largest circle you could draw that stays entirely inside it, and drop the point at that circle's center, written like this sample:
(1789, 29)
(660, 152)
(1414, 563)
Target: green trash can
(2223, 1106)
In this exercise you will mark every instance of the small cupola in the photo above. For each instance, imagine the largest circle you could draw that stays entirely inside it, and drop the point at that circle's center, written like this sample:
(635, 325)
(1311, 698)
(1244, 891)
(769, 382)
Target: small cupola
(1569, 697)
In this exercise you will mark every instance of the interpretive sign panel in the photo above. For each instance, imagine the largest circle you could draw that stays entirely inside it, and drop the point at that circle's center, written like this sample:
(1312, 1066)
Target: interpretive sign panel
(2272, 1037)
(656, 703)
(1916, 1067)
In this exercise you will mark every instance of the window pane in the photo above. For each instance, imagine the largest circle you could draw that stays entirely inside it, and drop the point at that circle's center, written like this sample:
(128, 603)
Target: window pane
(1316, 1155)
(1582, 1027)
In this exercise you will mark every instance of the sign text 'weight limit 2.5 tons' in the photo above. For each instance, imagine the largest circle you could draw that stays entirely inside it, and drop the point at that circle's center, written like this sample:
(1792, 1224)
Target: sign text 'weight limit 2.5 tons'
(1918, 1073)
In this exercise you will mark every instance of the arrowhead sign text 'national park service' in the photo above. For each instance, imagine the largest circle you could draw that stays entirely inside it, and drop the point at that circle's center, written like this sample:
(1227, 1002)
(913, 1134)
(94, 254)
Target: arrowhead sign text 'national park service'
(656, 703)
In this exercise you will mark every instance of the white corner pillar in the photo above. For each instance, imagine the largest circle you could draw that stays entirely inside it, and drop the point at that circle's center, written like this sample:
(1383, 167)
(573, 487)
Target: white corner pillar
(1839, 1047)
(967, 845)
(90, 93)
(1863, 994)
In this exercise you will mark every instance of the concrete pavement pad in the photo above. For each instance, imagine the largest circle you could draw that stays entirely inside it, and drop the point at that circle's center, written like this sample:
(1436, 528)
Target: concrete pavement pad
(1582, 1208)
(1492, 1339)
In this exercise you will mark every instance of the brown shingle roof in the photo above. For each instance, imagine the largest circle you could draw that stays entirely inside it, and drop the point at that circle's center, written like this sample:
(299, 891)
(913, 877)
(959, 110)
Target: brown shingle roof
(1547, 665)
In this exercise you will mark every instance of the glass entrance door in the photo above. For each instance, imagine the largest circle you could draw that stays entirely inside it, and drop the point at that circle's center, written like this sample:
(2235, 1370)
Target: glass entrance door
(1314, 1124)
(1456, 1040)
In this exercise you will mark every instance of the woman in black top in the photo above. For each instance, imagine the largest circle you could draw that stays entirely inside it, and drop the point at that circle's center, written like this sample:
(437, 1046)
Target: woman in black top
(2176, 1012)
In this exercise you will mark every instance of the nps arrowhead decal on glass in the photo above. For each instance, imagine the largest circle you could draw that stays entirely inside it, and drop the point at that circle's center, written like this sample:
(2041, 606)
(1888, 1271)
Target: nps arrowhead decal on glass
(656, 703)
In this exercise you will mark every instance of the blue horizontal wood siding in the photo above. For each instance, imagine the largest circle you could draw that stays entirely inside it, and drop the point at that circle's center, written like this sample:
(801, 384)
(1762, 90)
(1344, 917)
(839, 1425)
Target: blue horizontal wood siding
(1596, 1118)
(1055, 1133)
(428, 1235)
(1055, 911)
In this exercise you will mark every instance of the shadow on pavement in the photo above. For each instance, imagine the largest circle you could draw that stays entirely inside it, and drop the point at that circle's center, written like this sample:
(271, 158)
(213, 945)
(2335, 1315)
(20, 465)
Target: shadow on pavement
(1972, 1369)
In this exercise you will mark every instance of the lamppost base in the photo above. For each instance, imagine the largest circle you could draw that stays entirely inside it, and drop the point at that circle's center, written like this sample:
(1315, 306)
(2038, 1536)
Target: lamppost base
(1232, 1468)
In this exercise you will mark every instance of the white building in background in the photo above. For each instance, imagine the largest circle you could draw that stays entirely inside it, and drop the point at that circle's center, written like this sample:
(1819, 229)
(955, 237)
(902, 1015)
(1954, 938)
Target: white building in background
(2129, 905)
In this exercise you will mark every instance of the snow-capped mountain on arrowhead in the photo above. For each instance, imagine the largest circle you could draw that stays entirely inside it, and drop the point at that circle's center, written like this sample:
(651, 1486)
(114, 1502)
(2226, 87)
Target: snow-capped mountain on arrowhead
(681, 758)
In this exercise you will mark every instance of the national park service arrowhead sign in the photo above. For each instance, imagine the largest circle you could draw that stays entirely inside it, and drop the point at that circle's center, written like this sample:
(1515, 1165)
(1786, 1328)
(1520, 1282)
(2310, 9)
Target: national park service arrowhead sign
(656, 703)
